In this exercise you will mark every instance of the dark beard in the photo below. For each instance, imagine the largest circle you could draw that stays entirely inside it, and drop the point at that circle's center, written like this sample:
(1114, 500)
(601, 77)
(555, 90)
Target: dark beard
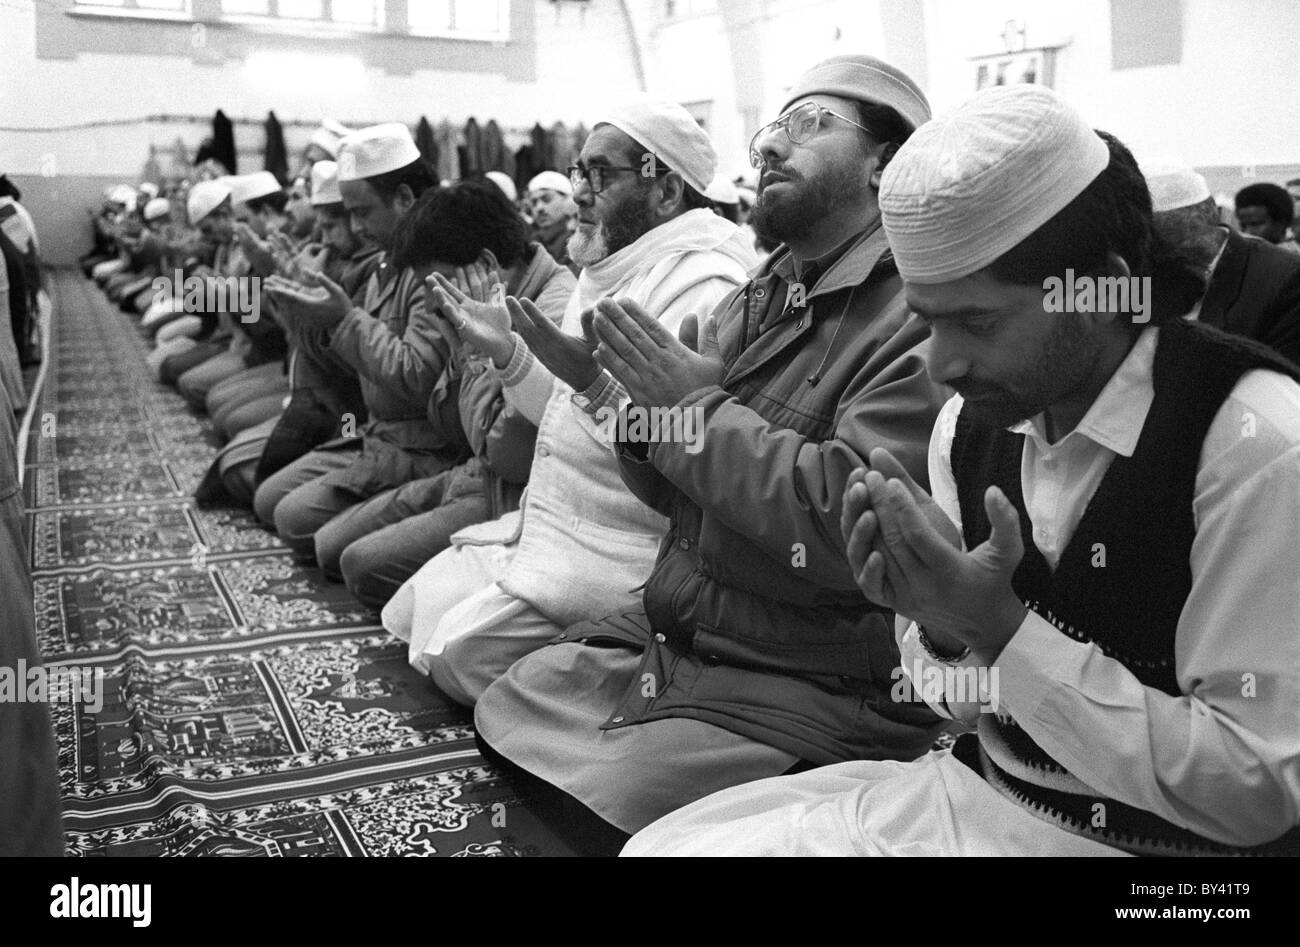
(1066, 365)
(628, 222)
(797, 213)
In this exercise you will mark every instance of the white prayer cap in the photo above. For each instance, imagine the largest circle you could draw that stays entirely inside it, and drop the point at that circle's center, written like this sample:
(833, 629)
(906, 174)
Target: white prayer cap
(329, 135)
(552, 181)
(122, 194)
(969, 186)
(376, 150)
(671, 134)
(249, 187)
(326, 141)
(1174, 186)
(205, 197)
(325, 184)
(865, 79)
(150, 189)
(722, 191)
(507, 186)
(158, 207)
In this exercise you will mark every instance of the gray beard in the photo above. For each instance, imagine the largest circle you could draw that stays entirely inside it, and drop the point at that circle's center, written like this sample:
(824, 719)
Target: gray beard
(587, 250)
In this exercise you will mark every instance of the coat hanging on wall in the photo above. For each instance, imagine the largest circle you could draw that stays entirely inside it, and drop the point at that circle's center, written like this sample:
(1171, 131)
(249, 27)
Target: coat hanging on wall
(277, 156)
(425, 141)
(223, 142)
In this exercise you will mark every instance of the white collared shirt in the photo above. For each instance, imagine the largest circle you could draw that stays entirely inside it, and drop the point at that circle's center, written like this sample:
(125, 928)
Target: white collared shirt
(1222, 758)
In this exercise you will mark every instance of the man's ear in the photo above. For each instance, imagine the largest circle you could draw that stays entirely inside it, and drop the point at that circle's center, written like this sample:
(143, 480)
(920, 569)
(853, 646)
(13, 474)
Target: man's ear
(672, 193)
(886, 155)
(404, 199)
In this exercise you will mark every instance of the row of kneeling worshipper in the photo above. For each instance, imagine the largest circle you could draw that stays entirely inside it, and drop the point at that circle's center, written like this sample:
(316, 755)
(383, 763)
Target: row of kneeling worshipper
(882, 543)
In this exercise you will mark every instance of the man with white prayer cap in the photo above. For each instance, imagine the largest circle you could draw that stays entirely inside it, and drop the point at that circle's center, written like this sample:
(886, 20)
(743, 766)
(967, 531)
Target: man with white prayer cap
(1252, 287)
(158, 211)
(725, 198)
(749, 650)
(323, 145)
(550, 202)
(1113, 485)
(504, 184)
(321, 388)
(398, 348)
(258, 202)
(209, 208)
(582, 541)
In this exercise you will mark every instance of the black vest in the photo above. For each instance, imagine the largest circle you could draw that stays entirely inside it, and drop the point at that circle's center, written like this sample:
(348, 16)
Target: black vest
(1140, 524)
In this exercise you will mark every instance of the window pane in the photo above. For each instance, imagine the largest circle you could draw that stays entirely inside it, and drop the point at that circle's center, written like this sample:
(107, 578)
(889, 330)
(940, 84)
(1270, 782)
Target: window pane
(257, 7)
(357, 11)
(300, 9)
(161, 4)
(477, 16)
(429, 16)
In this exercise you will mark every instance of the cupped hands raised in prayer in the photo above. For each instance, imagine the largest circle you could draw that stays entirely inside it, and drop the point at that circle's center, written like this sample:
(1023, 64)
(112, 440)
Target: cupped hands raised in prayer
(906, 554)
(315, 300)
(655, 366)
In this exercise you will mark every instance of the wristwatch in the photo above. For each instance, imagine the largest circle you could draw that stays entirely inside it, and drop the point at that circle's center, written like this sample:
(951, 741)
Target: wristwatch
(929, 647)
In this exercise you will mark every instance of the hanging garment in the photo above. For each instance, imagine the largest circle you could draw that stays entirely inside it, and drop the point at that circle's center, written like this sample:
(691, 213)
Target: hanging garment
(473, 151)
(448, 153)
(223, 142)
(276, 155)
(426, 142)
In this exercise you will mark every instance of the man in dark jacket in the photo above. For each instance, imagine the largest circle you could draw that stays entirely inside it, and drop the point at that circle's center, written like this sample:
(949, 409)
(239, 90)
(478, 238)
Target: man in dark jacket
(1253, 286)
(754, 652)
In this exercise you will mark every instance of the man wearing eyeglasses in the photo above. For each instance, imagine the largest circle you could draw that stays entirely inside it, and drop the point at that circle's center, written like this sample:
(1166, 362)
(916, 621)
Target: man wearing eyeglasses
(752, 652)
(581, 544)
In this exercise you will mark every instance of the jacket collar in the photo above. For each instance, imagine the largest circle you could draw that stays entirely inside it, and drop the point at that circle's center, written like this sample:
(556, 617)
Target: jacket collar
(1228, 275)
(861, 257)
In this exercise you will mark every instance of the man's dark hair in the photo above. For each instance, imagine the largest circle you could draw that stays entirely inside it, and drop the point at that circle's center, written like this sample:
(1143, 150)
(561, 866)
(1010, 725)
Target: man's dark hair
(454, 224)
(1277, 203)
(1111, 215)
(276, 201)
(883, 123)
(417, 175)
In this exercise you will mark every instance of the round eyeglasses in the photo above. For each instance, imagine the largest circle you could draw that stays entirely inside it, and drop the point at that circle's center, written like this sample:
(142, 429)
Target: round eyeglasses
(800, 125)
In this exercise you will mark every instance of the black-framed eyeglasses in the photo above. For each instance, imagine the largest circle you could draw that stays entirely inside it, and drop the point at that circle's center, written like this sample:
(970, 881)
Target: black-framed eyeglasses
(800, 125)
(594, 176)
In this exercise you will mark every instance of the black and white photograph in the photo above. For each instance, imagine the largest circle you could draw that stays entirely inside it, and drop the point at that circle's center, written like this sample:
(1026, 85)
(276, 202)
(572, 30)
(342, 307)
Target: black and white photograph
(651, 428)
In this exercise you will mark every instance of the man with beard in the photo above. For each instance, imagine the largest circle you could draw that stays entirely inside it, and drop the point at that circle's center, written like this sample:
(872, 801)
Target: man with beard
(581, 543)
(751, 651)
(1252, 287)
(1111, 536)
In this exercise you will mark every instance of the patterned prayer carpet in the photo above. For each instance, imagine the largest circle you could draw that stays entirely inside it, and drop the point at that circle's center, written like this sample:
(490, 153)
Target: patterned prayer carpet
(249, 707)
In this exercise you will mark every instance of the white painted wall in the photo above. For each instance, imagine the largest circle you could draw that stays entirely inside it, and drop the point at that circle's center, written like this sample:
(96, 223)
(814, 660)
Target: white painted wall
(1231, 101)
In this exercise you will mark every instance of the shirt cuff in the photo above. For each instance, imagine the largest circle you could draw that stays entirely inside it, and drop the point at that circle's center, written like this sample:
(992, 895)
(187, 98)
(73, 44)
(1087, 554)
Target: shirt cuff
(602, 393)
(924, 671)
(521, 361)
(1037, 660)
